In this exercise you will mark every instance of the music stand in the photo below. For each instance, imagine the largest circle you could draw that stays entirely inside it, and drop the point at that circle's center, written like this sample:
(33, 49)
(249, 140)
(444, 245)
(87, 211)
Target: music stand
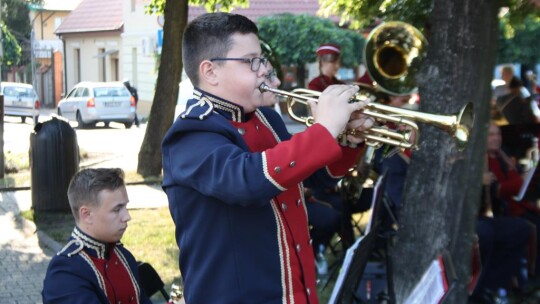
(516, 139)
(358, 254)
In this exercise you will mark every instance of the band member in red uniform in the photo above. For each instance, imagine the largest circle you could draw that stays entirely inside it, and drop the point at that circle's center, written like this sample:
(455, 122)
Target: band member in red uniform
(234, 175)
(94, 267)
(329, 57)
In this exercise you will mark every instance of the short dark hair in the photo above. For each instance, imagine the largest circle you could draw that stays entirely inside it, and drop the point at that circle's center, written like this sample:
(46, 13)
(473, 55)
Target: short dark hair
(209, 36)
(86, 185)
(515, 83)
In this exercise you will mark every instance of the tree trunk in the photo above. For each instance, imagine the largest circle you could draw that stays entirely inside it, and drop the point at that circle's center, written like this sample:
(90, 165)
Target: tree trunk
(167, 86)
(442, 191)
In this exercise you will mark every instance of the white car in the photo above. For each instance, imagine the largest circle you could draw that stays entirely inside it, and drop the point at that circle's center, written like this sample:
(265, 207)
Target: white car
(91, 102)
(20, 99)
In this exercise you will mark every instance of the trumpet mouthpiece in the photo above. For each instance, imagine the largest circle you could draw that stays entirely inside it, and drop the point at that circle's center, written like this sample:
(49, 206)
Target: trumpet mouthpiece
(263, 87)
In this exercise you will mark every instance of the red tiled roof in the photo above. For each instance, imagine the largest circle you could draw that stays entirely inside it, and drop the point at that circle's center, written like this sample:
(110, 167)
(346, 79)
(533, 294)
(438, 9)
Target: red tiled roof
(93, 16)
(259, 8)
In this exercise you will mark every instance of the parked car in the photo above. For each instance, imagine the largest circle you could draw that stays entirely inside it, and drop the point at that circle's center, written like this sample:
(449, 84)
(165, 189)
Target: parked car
(20, 99)
(91, 102)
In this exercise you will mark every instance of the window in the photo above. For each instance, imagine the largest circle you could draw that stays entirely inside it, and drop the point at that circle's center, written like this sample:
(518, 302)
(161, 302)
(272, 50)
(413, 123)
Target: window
(77, 65)
(79, 92)
(134, 71)
(57, 22)
(133, 5)
(101, 66)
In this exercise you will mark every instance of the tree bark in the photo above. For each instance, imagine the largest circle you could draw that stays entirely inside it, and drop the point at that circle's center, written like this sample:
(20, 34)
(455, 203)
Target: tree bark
(442, 191)
(167, 87)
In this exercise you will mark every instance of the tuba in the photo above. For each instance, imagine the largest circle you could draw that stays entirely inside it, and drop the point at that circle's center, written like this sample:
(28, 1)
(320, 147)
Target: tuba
(393, 53)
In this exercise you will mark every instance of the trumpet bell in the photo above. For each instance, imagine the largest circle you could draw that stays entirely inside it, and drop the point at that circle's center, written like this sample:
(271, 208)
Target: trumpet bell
(393, 54)
(464, 125)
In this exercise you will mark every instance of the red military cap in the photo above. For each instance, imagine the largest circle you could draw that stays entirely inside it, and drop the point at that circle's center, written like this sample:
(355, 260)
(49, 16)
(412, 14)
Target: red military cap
(328, 48)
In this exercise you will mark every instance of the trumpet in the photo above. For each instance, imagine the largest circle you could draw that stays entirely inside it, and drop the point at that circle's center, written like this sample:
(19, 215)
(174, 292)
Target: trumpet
(394, 52)
(458, 125)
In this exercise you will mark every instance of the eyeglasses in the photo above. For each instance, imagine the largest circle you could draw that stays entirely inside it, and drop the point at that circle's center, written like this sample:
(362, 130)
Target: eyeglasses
(271, 75)
(254, 62)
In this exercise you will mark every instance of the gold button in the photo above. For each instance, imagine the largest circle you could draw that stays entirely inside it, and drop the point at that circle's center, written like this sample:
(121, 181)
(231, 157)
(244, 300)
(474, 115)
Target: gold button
(284, 207)
(298, 248)
(308, 291)
(310, 242)
(257, 127)
(277, 169)
(298, 202)
(241, 131)
(292, 164)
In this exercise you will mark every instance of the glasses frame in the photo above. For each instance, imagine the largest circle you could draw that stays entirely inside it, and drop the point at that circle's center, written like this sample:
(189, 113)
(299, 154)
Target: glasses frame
(255, 62)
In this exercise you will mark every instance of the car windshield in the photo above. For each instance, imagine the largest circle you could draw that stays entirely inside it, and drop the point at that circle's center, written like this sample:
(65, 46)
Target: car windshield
(18, 92)
(110, 91)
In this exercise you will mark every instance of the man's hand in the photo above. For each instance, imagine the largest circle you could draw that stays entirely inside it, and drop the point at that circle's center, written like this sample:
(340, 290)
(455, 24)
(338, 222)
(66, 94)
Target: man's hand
(360, 122)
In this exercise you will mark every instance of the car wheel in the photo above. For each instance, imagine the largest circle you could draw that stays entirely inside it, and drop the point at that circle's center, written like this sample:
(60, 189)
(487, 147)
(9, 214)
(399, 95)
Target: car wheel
(23, 119)
(36, 119)
(81, 123)
(128, 124)
(106, 124)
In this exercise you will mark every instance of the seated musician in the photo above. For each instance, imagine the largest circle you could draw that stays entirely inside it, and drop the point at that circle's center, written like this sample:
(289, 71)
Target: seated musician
(94, 267)
(509, 182)
(505, 246)
(515, 108)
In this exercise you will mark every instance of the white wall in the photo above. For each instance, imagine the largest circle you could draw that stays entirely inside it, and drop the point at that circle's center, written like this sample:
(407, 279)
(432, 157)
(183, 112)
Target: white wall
(138, 52)
(89, 45)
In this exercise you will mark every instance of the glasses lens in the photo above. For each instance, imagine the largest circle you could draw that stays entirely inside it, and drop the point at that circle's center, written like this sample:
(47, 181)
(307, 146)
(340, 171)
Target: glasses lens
(255, 64)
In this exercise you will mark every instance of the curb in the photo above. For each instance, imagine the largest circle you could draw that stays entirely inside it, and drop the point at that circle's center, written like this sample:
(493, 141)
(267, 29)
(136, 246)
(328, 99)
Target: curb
(29, 227)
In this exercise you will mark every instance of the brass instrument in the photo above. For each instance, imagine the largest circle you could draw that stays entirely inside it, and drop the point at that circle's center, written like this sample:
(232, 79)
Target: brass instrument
(459, 124)
(393, 54)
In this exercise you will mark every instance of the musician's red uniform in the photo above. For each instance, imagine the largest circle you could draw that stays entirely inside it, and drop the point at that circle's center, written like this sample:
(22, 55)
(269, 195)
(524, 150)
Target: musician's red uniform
(89, 271)
(320, 82)
(327, 53)
(234, 183)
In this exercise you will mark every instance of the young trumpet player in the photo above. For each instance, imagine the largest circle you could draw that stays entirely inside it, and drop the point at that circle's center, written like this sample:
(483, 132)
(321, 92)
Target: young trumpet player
(234, 176)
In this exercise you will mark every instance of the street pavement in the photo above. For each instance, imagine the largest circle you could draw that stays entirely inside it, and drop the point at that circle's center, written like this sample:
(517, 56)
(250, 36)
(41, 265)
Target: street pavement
(25, 252)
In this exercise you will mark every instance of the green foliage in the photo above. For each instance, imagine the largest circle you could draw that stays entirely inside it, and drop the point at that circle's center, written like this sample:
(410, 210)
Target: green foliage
(520, 21)
(294, 38)
(520, 44)
(363, 13)
(12, 49)
(158, 6)
(515, 12)
(15, 16)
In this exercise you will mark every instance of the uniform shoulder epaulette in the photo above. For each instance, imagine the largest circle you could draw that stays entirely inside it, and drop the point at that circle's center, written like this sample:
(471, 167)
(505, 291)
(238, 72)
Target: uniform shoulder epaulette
(71, 248)
(199, 110)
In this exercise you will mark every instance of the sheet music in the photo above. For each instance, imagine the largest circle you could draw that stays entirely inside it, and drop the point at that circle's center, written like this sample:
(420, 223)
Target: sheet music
(525, 185)
(431, 288)
(344, 269)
